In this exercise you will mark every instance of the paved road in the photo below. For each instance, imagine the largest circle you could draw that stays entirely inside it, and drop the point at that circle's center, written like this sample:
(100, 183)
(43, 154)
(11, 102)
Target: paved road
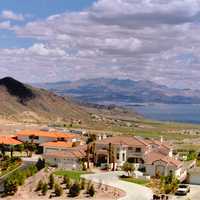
(193, 195)
(133, 191)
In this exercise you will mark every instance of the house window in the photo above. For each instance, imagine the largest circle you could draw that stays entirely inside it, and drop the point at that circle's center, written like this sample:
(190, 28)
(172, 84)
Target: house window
(61, 139)
(130, 148)
(123, 156)
(32, 137)
(117, 156)
(138, 150)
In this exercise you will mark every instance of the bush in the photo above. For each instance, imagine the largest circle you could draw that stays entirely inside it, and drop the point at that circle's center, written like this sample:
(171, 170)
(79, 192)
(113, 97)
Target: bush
(67, 182)
(128, 167)
(91, 191)
(19, 176)
(39, 186)
(74, 190)
(44, 189)
(10, 186)
(51, 181)
(58, 190)
(40, 164)
(88, 185)
(169, 184)
(82, 184)
(31, 170)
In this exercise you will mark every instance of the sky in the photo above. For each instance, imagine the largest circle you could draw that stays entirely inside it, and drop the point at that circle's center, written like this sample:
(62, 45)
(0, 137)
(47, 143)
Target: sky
(57, 40)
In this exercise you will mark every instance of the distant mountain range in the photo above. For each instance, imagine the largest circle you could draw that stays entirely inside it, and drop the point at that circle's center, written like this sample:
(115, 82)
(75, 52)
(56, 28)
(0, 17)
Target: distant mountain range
(122, 92)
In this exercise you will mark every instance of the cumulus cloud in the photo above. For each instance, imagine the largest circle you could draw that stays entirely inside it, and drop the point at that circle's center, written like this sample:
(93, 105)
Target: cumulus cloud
(5, 25)
(9, 14)
(155, 40)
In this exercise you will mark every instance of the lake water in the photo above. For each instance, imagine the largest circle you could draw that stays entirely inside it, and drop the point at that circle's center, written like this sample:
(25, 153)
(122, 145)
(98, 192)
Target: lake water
(189, 113)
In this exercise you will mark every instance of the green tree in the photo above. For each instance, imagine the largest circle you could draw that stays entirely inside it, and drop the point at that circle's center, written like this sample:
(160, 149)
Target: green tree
(20, 148)
(112, 155)
(74, 190)
(29, 147)
(51, 181)
(128, 167)
(3, 149)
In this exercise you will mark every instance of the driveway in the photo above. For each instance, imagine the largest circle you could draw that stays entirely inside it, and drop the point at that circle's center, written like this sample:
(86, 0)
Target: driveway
(133, 191)
(193, 195)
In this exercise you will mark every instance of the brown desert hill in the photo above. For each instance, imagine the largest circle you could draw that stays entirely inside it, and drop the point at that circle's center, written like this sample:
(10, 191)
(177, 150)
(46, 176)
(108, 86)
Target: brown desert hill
(22, 102)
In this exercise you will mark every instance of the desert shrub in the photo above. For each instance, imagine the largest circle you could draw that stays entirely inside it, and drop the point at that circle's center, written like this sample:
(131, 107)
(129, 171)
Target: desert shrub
(40, 164)
(82, 184)
(169, 184)
(91, 191)
(31, 170)
(67, 182)
(19, 176)
(51, 181)
(10, 186)
(128, 167)
(44, 189)
(74, 190)
(39, 186)
(58, 190)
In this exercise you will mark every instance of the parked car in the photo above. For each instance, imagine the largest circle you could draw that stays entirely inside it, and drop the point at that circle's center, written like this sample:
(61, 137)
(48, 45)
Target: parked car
(182, 189)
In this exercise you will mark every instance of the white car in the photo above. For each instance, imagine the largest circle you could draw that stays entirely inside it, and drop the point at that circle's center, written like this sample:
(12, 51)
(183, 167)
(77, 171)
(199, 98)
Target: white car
(182, 189)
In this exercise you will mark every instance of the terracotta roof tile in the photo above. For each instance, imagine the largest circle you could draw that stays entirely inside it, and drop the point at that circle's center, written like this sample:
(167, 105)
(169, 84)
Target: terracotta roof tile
(46, 134)
(124, 140)
(57, 144)
(67, 154)
(152, 157)
(9, 140)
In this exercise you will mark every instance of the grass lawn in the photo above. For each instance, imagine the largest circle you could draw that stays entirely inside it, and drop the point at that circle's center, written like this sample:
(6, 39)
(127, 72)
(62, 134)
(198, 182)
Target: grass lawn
(137, 181)
(71, 174)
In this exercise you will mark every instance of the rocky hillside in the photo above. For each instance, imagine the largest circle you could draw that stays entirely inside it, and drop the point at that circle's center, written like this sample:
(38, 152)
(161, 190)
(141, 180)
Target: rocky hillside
(21, 102)
(24, 103)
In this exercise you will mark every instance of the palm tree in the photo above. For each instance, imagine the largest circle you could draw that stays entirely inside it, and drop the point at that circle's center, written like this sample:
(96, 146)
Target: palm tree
(11, 150)
(112, 155)
(88, 156)
(3, 149)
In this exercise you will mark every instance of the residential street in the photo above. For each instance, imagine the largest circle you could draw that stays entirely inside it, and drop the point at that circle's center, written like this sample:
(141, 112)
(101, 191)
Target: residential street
(133, 191)
(193, 195)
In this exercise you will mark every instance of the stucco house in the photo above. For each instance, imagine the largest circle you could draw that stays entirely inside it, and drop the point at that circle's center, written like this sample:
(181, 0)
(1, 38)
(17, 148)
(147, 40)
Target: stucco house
(69, 158)
(153, 156)
(39, 137)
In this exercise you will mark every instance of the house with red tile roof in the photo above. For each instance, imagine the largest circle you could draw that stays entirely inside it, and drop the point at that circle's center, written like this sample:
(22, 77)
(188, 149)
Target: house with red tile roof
(153, 156)
(56, 146)
(69, 158)
(39, 137)
(9, 140)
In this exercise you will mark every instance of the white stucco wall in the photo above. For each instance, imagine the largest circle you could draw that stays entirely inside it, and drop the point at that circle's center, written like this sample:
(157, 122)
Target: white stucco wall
(39, 141)
(64, 163)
